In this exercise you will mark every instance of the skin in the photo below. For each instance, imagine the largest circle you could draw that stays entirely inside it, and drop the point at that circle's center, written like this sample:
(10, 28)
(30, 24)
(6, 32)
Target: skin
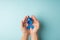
(32, 32)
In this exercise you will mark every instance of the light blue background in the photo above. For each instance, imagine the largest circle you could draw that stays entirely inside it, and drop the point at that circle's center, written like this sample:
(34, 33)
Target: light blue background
(13, 11)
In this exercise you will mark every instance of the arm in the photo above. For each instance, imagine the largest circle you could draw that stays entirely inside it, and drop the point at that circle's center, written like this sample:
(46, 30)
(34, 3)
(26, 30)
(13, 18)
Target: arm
(33, 32)
(25, 36)
(24, 30)
(34, 36)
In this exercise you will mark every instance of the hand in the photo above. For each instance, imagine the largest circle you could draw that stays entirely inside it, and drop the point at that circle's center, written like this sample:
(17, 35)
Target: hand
(24, 25)
(35, 24)
(31, 31)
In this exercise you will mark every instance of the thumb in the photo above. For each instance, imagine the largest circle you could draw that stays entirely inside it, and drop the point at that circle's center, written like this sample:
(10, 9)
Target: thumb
(31, 29)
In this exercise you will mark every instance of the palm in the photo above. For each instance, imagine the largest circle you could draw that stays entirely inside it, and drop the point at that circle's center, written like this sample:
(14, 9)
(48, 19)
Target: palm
(35, 24)
(24, 25)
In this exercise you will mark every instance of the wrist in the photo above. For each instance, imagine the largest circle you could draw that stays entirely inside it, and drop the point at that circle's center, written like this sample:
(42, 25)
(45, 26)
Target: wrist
(25, 33)
(32, 34)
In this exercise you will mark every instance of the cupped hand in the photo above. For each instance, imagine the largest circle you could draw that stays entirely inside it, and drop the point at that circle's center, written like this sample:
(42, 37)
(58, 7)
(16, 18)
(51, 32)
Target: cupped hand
(24, 25)
(35, 24)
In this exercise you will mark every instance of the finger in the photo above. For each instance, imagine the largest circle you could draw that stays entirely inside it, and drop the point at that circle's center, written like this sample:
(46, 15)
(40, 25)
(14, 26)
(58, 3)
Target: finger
(22, 23)
(34, 18)
(30, 29)
(25, 19)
